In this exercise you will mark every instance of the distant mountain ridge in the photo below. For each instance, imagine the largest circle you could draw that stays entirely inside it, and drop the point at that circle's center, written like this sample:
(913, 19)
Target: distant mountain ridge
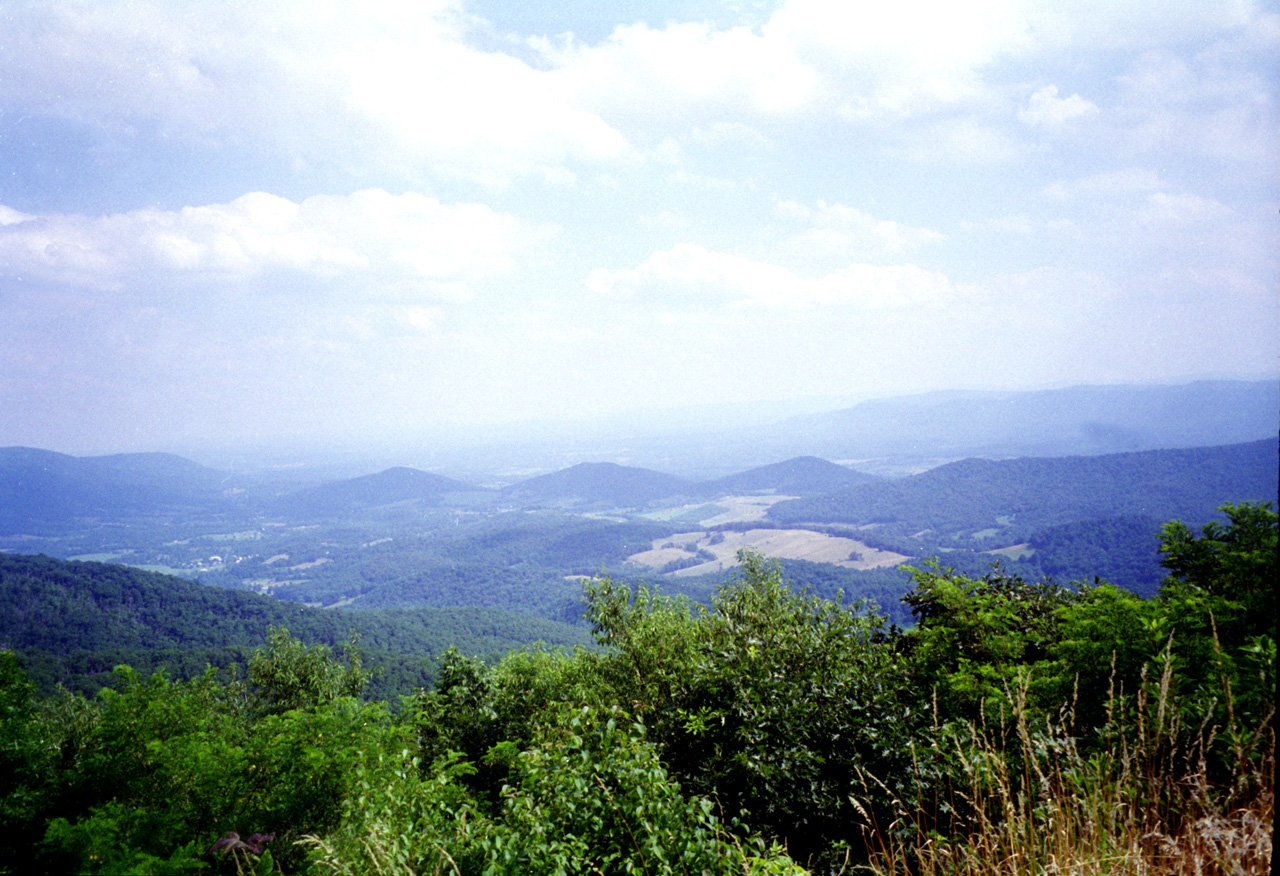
(1031, 493)
(41, 489)
(392, 486)
(801, 476)
(619, 486)
(1077, 420)
(600, 483)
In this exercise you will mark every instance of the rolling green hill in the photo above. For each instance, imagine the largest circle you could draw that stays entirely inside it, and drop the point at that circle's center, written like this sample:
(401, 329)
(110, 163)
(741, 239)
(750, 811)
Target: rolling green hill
(603, 484)
(801, 476)
(42, 491)
(73, 621)
(1023, 496)
(390, 487)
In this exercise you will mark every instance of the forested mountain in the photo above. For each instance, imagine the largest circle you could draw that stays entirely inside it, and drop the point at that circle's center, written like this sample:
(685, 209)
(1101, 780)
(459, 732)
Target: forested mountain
(406, 538)
(1074, 420)
(1029, 494)
(801, 476)
(42, 491)
(623, 487)
(1122, 550)
(389, 487)
(76, 620)
(605, 484)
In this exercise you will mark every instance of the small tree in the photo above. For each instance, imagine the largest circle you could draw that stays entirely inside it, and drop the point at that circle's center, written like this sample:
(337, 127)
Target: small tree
(974, 635)
(290, 675)
(774, 703)
(1229, 572)
(593, 797)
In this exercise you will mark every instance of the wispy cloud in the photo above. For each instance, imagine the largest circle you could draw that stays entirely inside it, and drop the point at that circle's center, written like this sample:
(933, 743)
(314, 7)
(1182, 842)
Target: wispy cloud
(387, 243)
(689, 269)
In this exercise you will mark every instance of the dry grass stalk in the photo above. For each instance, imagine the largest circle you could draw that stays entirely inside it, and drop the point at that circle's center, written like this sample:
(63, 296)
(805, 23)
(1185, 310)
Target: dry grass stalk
(1139, 801)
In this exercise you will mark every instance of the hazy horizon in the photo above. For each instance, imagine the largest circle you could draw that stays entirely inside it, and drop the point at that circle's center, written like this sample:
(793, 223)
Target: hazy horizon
(253, 225)
(710, 441)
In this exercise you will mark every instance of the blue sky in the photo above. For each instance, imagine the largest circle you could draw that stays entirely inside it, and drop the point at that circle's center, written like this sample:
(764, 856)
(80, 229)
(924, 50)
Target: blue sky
(249, 222)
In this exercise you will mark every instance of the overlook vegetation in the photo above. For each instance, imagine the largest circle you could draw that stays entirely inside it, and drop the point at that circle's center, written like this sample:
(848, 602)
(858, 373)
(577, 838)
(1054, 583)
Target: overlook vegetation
(1019, 727)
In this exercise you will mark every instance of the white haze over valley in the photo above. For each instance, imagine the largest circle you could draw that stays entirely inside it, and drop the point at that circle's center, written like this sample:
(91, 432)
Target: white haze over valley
(246, 224)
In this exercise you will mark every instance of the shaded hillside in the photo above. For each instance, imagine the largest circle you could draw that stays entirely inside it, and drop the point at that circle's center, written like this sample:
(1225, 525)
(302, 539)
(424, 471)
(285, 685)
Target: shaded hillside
(1030, 494)
(602, 484)
(801, 476)
(1122, 550)
(393, 486)
(43, 491)
(62, 613)
(517, 561)
(1075, 420)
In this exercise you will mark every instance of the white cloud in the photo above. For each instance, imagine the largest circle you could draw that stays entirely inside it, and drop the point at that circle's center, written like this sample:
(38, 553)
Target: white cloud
(640, 69)
(1113, 183)
(1046, 109)
(422, 319)
(486, 113)
(404, 86)
(1017, 223)
(406, 242)
(1106, 25)
(1163, 209)
(901, 57)
(689, 269)
(10, 216)
(400, 79)
(841, 230)
(1216, 102)
(1092, 161)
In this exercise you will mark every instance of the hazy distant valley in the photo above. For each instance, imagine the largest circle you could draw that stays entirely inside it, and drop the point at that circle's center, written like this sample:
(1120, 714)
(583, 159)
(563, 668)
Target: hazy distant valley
(1114, 464)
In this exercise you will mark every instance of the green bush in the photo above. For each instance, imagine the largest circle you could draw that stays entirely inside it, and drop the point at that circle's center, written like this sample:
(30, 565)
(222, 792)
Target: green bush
(593, 797)
(400, 819)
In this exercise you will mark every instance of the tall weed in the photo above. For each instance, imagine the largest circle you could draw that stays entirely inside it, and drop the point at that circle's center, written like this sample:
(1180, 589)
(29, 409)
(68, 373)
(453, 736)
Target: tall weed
(1162, 787)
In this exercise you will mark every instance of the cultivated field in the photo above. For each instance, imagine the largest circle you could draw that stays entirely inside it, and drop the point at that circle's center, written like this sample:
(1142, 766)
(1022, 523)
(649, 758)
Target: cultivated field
(727, 509)
(786, 544)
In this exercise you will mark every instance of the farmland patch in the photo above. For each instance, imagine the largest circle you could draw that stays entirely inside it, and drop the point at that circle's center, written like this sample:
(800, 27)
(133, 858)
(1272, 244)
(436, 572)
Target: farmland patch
(786, 544)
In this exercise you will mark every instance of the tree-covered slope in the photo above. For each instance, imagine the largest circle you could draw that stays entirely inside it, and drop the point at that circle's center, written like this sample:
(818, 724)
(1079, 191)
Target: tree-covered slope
(770, 732)
(62, 610)
(801, 476)
(600, 483)
(345, 497)
(43, 491)
(1030, 494)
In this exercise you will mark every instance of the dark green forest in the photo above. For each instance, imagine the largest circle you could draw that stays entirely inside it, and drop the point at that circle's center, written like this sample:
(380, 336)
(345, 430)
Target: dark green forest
(1018, 725)
(72, 623)
(1023, 496)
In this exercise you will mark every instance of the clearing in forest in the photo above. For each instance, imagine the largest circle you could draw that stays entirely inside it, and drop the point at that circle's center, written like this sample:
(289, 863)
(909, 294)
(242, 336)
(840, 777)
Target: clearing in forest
(719, 550)
(726, 509)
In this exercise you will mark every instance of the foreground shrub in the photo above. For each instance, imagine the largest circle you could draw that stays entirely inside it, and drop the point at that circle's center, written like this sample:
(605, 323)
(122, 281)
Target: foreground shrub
(771, 702)
(1135, 797)
(401, 819)
(593, 797)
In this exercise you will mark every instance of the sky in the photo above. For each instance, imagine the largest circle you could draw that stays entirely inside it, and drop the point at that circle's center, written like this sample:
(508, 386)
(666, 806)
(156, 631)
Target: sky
(231, 223)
